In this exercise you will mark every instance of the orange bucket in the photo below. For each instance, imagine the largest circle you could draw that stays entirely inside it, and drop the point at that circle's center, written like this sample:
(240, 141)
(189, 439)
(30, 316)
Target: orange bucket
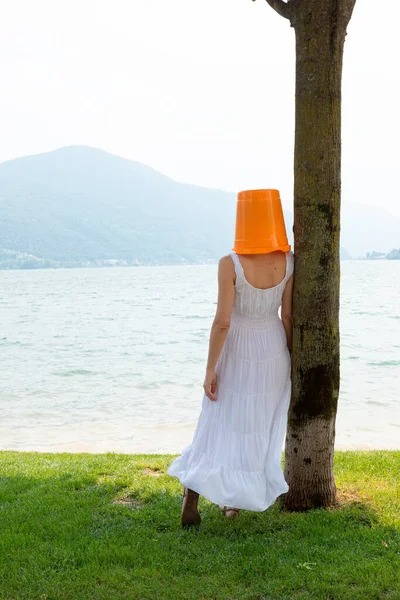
(260, 225)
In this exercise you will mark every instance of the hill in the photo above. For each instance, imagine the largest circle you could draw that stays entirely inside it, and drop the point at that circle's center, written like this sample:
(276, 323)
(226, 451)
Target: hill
(81, 206)
(77, 205)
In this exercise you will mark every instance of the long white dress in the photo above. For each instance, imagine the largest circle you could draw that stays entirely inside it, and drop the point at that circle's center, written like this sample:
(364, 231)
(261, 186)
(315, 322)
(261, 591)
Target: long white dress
(235, 456)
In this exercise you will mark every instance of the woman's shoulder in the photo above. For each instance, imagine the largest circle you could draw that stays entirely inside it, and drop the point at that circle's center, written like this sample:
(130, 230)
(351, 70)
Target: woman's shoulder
(226, 260)
(226, 263)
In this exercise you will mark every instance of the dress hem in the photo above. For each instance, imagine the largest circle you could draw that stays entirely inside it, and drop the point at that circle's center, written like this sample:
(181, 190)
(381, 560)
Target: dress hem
(219, 483)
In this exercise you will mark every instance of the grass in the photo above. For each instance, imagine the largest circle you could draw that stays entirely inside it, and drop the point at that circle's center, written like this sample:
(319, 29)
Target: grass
(107, 526)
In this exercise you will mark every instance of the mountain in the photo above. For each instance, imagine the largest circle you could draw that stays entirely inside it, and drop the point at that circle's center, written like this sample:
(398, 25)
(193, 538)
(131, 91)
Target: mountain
(79, 206)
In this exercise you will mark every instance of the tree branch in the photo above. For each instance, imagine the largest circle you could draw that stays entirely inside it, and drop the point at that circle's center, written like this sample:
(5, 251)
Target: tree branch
(281, 7)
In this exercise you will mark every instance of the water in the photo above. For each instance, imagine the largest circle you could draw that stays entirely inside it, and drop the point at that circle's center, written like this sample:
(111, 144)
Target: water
(113, 359)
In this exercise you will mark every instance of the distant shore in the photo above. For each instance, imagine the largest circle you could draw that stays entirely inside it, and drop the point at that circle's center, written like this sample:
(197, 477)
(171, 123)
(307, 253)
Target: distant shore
(35, 264)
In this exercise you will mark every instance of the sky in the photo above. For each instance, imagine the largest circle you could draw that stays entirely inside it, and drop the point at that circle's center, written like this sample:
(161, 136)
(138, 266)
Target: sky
(200, 91)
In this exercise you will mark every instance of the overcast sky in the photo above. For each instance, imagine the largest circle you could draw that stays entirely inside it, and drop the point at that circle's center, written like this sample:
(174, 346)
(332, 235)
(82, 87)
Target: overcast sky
(201, 91)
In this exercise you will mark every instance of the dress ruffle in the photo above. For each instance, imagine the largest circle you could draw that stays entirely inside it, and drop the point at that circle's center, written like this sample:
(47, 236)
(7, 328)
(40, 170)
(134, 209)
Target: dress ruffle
(248, 490)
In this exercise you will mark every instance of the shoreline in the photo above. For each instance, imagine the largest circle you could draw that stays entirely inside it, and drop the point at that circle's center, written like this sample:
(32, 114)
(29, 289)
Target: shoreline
(161, 439)
(89, 449)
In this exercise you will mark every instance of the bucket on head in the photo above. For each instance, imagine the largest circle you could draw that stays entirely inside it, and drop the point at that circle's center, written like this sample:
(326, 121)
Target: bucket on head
(260, 225)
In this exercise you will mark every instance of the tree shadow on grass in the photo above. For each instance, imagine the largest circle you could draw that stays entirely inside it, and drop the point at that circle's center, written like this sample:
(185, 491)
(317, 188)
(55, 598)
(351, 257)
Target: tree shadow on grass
(161, 510)
(154, 500)
(72, 523)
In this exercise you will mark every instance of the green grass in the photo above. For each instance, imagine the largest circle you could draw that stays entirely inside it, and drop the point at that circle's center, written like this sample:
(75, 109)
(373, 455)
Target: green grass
(107, 527)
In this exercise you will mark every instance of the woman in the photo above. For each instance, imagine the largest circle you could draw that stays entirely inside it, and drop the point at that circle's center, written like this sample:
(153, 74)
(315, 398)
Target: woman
(234, 459)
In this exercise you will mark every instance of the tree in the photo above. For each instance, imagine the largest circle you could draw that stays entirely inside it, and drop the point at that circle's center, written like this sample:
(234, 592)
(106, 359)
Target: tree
(320, 31)
(394, 254)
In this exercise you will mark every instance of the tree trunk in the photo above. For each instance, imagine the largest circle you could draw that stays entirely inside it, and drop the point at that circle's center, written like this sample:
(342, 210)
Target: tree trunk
(320, 29)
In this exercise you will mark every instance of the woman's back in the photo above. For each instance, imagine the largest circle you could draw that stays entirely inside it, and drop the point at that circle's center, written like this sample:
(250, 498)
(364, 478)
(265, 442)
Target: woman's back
(259, 289)
(264, 271)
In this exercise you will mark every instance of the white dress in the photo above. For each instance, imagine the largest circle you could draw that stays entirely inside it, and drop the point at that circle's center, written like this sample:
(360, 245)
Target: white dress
(235, 456)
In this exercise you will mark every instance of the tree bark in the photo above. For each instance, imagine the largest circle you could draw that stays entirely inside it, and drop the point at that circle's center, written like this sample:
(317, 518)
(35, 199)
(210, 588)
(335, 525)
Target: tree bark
(320, 30)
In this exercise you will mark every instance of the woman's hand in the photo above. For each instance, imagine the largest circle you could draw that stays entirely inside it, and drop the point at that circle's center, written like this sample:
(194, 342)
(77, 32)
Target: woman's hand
(210, 384)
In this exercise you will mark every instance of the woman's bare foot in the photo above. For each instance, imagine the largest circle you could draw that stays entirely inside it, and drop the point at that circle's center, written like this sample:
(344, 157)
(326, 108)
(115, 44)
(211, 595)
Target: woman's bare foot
(229, 511)
(190, 514)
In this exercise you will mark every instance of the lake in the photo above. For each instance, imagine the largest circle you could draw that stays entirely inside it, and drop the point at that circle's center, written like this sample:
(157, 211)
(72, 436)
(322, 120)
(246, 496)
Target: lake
(113, 359)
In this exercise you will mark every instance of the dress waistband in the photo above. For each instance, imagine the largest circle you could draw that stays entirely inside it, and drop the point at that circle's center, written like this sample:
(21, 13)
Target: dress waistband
(254, 322)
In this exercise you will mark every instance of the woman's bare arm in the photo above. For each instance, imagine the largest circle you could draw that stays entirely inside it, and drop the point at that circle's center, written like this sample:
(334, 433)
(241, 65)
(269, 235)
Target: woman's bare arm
(287, 311)
(221, 323)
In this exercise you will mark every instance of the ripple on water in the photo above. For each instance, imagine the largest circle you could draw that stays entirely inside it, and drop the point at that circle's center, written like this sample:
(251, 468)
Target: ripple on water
(384, 363)
(377, 403)
(73, 372)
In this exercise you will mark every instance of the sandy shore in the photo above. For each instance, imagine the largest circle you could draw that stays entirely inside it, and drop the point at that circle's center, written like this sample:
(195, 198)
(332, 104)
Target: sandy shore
(162, 439)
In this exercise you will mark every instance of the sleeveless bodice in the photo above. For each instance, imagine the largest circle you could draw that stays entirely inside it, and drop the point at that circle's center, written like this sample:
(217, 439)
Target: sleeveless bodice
(256, 303)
